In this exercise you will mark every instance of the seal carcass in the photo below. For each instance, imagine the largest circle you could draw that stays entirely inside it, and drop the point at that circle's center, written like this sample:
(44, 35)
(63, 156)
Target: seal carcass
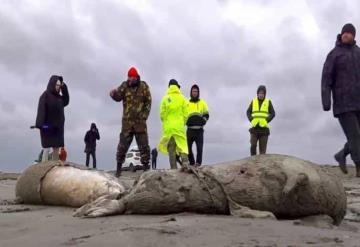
(64, 184)
(260, 186)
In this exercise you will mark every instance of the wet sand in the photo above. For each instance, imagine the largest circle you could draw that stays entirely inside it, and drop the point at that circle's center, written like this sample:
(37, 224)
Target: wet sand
(28, 225)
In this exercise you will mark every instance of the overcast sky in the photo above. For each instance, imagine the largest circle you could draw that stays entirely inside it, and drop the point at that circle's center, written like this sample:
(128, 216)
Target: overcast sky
(227, 47)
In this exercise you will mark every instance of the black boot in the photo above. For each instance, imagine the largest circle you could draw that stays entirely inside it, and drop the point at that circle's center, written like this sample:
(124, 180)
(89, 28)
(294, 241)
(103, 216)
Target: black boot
(118, 170)
(341, 159)
(357, 170)
(146, 167)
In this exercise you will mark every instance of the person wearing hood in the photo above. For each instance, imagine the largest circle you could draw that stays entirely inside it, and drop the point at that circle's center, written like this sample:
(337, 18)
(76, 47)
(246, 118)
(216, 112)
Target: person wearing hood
(136, 100)
(173, 115)
(341, 80)
(260, 113)
(198, 117)
(90, 144)
(50, 117)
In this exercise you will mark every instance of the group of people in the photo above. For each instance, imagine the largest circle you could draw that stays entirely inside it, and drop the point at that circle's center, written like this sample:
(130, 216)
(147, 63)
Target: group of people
(340, 78)
(176, 112)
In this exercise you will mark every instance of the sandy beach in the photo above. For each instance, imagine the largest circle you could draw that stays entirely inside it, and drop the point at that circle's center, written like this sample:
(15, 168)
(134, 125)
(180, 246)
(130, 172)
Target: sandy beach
(28, 225)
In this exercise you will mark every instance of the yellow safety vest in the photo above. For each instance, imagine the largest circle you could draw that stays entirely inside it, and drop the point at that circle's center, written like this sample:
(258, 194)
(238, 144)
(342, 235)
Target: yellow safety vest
(258, 114)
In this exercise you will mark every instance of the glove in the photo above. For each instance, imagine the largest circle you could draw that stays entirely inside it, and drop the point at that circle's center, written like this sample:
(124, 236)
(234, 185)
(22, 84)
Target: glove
(46, 128)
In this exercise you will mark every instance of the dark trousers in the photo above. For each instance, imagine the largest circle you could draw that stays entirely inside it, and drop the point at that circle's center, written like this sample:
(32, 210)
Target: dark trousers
(197, 136)
(126, 137)
(93, 155)
(153, 164)
(262, 139)
(350, 123)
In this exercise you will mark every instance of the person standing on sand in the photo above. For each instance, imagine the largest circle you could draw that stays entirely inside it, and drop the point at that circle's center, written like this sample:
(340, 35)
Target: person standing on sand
(154, 154)
(260, 113)
(341, 79)
(90, 144)
(198, 117)
(136, 98)
(50, 117)
(173, 115)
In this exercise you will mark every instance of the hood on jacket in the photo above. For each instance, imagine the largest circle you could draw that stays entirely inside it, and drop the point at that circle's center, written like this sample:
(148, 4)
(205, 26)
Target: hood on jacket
(173, 89)
(52, 83)
(261, 88)
(194, 99)
(92, 126)
(338, 42)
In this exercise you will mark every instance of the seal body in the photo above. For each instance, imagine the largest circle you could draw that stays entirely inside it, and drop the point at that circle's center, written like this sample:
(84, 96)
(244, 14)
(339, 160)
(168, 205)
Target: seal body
(260, 186)
(65, 184)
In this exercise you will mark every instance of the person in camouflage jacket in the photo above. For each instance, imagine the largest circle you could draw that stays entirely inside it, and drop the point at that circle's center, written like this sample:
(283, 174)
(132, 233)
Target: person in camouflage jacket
(136, 98)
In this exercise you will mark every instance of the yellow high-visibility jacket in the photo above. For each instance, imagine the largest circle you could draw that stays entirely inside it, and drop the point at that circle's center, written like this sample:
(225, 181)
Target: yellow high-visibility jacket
(198, 114)
(173, 115)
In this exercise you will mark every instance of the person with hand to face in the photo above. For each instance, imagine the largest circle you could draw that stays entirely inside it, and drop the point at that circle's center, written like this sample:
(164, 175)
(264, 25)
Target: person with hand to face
(50, 117)
(90, 144)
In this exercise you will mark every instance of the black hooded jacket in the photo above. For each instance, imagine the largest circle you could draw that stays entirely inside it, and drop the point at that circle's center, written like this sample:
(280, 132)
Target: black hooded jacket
(50, 117)
(341, 78)
(90, 138)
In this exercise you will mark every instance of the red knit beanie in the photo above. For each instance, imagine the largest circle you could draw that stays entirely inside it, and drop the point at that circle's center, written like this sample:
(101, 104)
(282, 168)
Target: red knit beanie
(133, 72)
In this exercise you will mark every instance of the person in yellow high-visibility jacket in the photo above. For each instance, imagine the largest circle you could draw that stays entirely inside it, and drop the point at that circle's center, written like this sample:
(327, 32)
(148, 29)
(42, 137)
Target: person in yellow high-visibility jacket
(198, 117)
(173, 115)
(260, 113)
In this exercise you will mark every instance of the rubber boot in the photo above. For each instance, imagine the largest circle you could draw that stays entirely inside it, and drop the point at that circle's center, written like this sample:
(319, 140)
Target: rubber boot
(184, 162)
(357, 170)
(146, 167)
(340, 157)
(172, 153)
(118, 170)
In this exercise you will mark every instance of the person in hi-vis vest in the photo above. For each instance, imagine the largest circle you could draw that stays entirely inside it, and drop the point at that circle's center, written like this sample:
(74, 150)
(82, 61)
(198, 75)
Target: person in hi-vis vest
(260, 113)
(198, 117)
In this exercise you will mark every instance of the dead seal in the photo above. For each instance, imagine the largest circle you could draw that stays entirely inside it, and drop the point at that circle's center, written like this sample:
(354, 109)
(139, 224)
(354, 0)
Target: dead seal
(64, 184)
(261, 186)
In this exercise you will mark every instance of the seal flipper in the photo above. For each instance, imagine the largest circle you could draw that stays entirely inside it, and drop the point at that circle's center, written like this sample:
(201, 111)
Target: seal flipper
(294, 181)
(103, 206)
(245, 212)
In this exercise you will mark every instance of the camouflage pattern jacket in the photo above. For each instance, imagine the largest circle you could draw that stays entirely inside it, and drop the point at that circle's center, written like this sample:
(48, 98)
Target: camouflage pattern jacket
(136, 102)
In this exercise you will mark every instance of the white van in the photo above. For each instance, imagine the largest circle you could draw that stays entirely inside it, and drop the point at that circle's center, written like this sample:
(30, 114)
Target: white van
(132, 160)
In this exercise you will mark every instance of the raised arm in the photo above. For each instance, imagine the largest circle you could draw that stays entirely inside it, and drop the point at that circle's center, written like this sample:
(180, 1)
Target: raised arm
(118, 93)
(65, 95)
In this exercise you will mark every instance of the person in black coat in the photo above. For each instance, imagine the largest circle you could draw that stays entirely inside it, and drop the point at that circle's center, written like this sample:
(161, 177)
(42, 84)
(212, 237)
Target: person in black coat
(90, 144)
(341, 79)
(50, 117)
(154, 154)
